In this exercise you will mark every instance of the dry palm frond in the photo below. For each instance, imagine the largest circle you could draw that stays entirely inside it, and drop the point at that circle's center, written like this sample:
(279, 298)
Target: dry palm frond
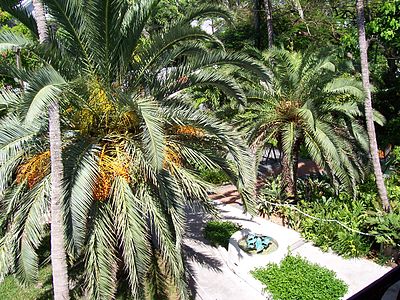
(34, 170)
(190, 130)
(112, 164)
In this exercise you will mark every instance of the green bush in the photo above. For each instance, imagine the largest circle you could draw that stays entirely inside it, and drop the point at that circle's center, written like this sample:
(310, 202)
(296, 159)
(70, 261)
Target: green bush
(214, 176)
(331, 235)
(296, 278)
(218, 233)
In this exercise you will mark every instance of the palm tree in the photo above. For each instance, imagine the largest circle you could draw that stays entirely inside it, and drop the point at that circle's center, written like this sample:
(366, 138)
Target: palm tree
(368, 107)
(132, 141)
(308, 104)
(58, 256)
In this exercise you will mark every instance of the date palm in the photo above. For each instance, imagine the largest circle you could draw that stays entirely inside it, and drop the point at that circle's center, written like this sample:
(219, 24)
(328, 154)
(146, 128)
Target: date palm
(130, 147)
(309, 104)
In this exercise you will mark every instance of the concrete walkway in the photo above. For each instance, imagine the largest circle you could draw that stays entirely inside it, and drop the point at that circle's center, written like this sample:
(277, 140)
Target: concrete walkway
(212, 277)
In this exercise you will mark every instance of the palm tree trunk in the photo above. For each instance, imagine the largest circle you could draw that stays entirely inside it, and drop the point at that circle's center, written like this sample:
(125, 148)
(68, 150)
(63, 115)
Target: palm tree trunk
(368, 107)
(268, 12)
(40, 20)
(287, 176)
(257, 23)
(58, 256)
(296, 150)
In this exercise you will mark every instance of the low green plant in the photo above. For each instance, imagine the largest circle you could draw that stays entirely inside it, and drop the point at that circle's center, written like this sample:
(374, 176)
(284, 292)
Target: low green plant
(10, 289)
(296, 278)
(218, 233)
(331, 235)
(385, 227)
(214, 176)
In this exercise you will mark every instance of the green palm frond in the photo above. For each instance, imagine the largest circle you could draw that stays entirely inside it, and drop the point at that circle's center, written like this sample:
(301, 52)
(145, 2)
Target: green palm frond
(131, 232)
(153, 136)
(44, 88)
(33, 229)
(207, 11)
(101, 262)
(12, 41)
(348, 86)
(80, 188)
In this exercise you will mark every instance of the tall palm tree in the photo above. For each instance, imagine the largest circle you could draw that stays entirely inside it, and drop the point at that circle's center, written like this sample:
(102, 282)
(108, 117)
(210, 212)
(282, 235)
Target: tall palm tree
(308, 104)
(368, 107)
(131, 144)
(58, 256)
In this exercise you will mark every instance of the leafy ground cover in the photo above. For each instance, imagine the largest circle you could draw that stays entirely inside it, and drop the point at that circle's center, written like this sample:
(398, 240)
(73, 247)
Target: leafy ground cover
(10, 289)
(219, 232)
(296, 278)
(362, 213)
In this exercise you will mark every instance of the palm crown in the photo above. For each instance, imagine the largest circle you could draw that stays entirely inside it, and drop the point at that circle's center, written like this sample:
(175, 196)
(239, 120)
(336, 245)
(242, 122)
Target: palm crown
(309, 104)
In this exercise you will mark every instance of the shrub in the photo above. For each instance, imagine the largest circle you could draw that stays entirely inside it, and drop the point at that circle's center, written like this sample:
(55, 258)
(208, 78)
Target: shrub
(317, 198)
(218, 233)
(214, 176)
(296, 278)
(330, 235)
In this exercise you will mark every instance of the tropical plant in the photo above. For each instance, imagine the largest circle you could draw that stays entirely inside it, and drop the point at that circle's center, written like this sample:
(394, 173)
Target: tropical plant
(310, 103)
(131, 140)
(218, 233)
(297, 278)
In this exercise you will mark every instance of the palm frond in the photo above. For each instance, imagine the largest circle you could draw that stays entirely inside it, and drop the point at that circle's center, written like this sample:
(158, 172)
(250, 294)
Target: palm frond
(101, 263)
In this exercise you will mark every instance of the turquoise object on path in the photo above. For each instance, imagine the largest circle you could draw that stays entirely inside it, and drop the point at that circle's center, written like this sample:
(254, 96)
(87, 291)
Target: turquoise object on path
(258, 242)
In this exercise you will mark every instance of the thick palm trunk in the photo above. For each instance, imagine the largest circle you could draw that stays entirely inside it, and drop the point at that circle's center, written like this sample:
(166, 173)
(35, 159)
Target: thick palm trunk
(287, 176)
(368, 107)
(270, 30)
(58, 256)
(40, 20)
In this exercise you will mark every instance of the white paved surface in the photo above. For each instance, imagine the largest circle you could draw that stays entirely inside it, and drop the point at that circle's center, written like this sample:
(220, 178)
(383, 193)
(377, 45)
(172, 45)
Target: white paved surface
(213, 278)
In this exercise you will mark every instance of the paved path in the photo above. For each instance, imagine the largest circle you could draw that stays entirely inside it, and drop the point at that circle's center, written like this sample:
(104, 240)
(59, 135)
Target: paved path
(213, 279)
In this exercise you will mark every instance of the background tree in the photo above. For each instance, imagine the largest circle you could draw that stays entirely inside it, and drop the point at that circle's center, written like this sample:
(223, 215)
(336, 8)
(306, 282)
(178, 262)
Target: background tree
(368, 106)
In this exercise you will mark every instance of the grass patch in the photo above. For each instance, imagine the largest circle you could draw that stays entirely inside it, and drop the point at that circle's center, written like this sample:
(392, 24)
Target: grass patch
(218, 233)
(296, 278)
(10, 289)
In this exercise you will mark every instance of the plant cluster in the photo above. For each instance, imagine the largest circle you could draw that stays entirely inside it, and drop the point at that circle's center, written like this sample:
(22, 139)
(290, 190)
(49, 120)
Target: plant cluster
(296, 278)
(318, 198)
(218, 233)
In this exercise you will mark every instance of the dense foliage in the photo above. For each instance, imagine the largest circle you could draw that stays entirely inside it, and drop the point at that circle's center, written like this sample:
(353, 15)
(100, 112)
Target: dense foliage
(311, 103)
(322, 207)
(296, 278)
(131, 141)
